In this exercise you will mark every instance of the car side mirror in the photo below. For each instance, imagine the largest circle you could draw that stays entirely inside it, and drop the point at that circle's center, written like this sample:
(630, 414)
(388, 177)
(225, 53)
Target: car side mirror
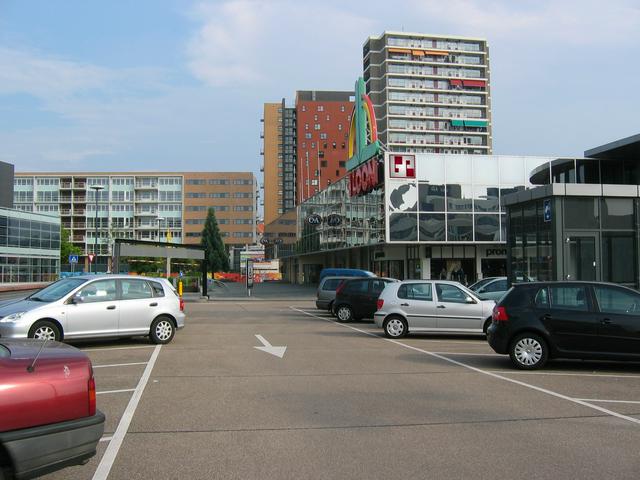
(470, 300)
(75, 299)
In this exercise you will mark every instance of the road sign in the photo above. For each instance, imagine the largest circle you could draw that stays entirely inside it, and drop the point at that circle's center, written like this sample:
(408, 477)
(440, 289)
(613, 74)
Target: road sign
(181, 275)
(249, 272)
(91, 257)
(546, 210)
(73, 258)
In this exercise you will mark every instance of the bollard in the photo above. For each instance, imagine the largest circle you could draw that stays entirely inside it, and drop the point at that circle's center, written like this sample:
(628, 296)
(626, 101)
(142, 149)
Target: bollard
(180, 288)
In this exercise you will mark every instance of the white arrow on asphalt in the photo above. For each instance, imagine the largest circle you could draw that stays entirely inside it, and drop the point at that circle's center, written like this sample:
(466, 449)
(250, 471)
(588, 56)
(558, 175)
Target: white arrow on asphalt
(277, 351)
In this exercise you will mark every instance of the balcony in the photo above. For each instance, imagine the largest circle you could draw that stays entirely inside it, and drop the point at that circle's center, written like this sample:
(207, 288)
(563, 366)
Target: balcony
(65, 211)
(146, 185)
(146, 200)
(79, 211)
(147, 213)
(77, 238)
(65, 185)
(65, 200)
(79, 185)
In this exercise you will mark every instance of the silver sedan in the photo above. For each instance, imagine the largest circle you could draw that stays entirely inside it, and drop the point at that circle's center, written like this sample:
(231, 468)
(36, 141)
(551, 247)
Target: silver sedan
(431, 306)
(96, 306)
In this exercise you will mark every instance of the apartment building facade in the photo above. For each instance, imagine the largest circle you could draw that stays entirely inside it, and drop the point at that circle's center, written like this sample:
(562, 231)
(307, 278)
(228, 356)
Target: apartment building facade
(323, 119)
(431, 93)
(279, 167)
(152, 206)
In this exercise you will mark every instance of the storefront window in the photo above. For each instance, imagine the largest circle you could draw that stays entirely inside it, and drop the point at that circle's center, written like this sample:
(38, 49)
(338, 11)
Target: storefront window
(459, 227)
(617, 213)
(618, 250)
(459, 198)
(581, 213)
(403, 227)
(432, 227)
(487, 228)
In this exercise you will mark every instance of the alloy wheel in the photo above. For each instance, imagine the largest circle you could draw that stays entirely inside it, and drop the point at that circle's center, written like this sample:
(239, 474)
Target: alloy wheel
(395, 327)
(164, 329)
(344, 314)
(44, 333)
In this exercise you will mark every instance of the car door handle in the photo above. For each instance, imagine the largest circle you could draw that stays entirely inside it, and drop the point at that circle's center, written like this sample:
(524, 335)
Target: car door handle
(154, 304)
(111, 307)
(605, 321)
(441, 306)
(404, 304)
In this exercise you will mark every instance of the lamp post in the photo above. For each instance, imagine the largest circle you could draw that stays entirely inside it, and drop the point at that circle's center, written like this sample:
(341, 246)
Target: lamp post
(96, 189)
(159, 220)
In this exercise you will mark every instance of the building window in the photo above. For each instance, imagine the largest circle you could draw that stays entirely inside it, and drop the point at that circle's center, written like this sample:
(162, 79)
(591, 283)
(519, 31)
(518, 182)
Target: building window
(316, 126)
(306, 126)
(307, 136)
(339, 126)
(328, 118)
(320, 108)
(342, 108)
(323, 136)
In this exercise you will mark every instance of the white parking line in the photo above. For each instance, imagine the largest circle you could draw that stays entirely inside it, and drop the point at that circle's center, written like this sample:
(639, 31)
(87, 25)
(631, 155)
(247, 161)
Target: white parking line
(562, 374)
(485, 372)
(607, 401)
(102, 472)
(116, 391)
(470, 354)
(98, 349)
(119, 365)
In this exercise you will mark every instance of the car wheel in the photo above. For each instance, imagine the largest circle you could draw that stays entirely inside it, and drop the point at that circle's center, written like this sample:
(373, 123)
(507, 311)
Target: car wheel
(395, 327)
(528, 351)
(344, 313)
(45, 330)
(162, 330)
(486, 325)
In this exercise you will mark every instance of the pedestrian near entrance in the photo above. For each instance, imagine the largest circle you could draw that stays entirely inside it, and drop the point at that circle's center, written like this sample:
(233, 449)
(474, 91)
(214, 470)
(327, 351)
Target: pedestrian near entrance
(443, 274)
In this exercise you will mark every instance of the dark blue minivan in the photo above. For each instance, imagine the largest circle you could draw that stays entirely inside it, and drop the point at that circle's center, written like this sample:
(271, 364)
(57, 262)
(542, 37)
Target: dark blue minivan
(345, 272)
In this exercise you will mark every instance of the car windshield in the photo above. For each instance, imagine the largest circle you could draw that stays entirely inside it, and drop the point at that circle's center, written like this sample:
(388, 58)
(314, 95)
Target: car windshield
(479, 284)
(57, 290)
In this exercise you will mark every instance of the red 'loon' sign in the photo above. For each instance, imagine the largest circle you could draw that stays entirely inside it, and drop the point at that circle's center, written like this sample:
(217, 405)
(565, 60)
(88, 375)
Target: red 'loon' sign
(364, 179)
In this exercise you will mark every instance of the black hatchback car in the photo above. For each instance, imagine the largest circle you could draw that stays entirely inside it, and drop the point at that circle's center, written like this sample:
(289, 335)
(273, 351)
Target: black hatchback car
(358, 298)
(540, 320)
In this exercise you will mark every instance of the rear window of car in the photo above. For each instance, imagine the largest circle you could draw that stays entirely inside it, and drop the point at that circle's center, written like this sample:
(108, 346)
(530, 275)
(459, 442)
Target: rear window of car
(518, 297)
(331, 284)
(158, 291)
(357, 286)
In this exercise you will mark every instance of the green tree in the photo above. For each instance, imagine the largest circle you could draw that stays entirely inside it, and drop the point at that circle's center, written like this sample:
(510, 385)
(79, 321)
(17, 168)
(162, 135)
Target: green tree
(66, 247)
(218, 260)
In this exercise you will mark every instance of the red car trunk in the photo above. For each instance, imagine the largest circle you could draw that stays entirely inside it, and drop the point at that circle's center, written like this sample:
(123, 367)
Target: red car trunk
(55, 391)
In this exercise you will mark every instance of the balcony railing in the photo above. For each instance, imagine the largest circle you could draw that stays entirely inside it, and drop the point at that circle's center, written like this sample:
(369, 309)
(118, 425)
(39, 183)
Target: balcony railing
(65, 184)
(143, 185)
(77, 185)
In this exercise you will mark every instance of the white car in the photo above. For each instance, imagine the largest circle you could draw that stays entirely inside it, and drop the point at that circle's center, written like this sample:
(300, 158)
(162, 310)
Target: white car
(95, 306)
(431, 306)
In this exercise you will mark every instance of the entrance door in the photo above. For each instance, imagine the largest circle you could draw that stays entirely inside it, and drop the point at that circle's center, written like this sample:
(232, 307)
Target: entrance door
(582, 257)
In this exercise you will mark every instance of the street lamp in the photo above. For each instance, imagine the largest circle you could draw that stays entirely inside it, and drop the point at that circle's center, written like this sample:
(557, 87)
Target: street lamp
(159, 220)
(96, 189)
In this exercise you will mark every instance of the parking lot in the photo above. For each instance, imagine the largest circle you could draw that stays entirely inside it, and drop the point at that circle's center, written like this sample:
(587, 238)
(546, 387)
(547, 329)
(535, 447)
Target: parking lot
(344, 402)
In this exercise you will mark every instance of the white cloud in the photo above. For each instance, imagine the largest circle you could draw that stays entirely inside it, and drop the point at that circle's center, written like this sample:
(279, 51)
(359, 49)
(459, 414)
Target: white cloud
(275, 42)
(576, 22)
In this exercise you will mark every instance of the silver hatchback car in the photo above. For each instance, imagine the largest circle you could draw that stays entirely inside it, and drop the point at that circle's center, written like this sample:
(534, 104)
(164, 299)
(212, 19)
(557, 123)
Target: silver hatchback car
(96, 306)
(431, 306)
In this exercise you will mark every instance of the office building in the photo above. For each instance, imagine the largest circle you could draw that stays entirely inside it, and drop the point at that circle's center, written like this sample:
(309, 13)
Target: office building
(431, 93)
(166, 207)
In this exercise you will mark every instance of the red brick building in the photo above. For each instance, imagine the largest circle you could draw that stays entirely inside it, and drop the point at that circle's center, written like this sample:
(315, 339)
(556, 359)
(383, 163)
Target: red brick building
(322, 122)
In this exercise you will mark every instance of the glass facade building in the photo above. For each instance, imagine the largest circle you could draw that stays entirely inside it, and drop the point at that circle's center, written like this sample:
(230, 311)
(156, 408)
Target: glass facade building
(29, 247)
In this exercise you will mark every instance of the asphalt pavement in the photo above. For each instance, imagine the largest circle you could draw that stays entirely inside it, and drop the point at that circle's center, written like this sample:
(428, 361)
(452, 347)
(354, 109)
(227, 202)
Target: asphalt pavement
(344, 402)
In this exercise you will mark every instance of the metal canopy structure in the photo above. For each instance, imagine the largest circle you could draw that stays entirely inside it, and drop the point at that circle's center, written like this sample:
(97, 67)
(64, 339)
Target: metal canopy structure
(139, 248)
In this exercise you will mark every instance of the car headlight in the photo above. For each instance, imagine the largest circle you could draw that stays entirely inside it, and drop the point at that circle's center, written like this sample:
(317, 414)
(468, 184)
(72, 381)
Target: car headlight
(14, 317)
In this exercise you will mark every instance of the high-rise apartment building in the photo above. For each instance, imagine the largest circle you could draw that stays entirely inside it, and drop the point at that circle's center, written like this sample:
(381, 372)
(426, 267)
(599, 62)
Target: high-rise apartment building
(323, 119)
(279, 150)
(142, 206)
(431, 93)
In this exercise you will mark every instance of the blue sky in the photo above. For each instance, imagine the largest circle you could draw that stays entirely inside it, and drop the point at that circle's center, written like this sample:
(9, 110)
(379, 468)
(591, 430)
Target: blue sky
(179, 85)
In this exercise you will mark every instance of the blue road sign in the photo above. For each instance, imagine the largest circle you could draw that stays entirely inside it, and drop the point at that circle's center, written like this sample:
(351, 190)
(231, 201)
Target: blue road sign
(546, 210)
(73, 258)
(180, 273)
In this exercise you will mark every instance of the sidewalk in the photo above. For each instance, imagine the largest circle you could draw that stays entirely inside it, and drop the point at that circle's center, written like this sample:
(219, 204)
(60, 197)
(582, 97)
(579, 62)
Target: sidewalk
(269, 291)
(17, 287)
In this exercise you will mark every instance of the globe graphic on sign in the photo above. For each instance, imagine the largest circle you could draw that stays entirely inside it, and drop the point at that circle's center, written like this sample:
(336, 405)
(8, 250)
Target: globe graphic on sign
(404, 198)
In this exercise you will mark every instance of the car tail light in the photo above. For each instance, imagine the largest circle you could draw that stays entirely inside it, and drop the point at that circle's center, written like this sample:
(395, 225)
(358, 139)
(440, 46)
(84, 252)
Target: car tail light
(500, 314)
(92, 394)
(379, 303)
(181, 304)
(340, 287)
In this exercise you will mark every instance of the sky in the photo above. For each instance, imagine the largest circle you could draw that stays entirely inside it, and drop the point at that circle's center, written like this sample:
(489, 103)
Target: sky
(178, 85)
